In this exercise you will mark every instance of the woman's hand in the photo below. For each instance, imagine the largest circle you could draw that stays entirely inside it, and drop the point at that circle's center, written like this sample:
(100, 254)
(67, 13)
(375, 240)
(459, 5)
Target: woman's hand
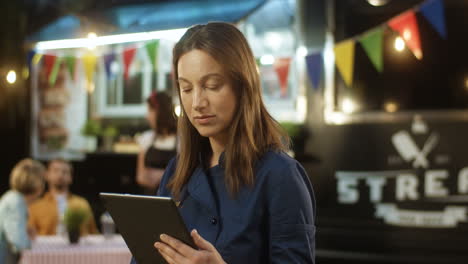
(176, 252)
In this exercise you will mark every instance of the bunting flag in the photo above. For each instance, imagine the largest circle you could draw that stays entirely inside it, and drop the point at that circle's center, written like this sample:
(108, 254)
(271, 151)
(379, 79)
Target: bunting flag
(433, 11)
(314, 63)
(344, 57)
(152, 49)
(55, 70)
(70, 62)
(49, 61)
(407, 26)
(128, 56)
(37, 58)
(108, 59)
(282, 70)
(89, 63)
(30, 57)
(372, 43)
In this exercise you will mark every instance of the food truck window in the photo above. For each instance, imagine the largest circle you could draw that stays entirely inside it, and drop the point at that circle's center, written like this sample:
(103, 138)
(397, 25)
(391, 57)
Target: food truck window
(436, 81)
(118, 95)
(271, 33)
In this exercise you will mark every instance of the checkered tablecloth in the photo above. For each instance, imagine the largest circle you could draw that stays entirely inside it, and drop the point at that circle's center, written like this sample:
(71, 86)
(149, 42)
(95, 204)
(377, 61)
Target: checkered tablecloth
(93, 249)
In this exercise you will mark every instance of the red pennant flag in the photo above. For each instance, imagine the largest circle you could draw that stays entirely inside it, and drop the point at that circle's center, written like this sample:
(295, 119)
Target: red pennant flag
(407, 26)
(282, 69)
(128, 56)
(49, 61)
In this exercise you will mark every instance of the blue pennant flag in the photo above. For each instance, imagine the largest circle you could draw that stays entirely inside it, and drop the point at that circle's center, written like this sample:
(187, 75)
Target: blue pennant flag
(29, 58)
(108, 59)
(314, 64)
(433, 11)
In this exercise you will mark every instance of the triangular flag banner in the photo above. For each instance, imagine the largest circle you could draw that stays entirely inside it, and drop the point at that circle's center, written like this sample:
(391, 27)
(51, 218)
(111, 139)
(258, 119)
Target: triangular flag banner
(70, 61)
(108, 59)
(30, 57)
(55, 71)
(128, 56)
(314, 64)
(433, 11)
(372, 43)
(152, 49)
(344, 57)
(37, 58)
(282, 69)
(89, 63)
(49, 61)
(407, 26)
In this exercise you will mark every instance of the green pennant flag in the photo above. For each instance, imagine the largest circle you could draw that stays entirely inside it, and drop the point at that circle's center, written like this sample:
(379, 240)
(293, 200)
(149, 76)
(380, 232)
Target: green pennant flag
(372, 44)
(70, 62)
(55, 70)
(152, 49)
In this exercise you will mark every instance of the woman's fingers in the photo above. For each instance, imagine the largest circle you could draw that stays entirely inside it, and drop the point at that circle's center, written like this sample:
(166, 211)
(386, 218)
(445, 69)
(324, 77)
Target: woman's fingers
(177, 246)
(200, 241)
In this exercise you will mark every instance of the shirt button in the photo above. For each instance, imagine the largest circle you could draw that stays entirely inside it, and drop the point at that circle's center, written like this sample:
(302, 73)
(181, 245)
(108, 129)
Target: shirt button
(214, 221)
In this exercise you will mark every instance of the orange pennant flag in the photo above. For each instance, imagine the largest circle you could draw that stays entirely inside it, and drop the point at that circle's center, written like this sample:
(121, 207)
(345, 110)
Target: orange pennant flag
(128, 56)
(282, 69)
(344, 57)
(407, 26)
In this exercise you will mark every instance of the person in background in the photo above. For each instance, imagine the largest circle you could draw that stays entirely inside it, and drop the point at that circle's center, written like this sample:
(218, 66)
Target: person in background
(158, 146)
(46, 214)
(243, 197)
(26, 185)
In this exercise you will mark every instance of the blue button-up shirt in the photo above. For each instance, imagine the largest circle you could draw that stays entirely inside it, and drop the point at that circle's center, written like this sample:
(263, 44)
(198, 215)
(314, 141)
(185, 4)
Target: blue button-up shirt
(270, 222)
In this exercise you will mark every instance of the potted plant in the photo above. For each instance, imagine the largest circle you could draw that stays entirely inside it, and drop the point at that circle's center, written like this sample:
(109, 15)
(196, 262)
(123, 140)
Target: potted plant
(108, 135)
(91, 130)
(73, 219)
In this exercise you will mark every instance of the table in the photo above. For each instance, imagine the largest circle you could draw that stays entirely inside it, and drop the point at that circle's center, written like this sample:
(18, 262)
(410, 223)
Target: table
(91, 249)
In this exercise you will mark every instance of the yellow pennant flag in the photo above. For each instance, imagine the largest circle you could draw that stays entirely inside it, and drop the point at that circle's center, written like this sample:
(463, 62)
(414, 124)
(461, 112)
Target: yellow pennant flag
(344, 57)
(89, 63)
(37, 58)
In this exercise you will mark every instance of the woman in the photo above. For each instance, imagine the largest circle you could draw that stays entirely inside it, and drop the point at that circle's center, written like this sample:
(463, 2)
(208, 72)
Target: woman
(27, 184)
(159, 146)
(244, 199)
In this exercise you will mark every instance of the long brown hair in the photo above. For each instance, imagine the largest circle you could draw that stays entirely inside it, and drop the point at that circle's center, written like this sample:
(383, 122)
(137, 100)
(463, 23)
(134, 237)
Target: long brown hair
(252, 132)
(166, 123)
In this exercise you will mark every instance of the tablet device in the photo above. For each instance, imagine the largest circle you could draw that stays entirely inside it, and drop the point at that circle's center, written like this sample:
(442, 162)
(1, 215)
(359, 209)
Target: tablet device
(142, 219)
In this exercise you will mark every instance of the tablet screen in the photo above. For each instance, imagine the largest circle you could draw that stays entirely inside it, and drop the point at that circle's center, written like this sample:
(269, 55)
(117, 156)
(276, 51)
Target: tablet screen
(142, 219)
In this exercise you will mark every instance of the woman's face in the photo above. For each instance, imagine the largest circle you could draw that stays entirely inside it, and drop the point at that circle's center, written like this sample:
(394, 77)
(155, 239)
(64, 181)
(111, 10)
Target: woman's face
(206, 93)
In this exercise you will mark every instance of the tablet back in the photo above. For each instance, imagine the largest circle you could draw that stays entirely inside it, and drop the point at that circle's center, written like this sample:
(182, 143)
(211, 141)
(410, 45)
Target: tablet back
(142, 219)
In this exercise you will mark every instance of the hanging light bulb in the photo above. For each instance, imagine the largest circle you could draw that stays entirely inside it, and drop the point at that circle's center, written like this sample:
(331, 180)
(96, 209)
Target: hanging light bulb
(11, 77)
(399, 44)
(377, 2)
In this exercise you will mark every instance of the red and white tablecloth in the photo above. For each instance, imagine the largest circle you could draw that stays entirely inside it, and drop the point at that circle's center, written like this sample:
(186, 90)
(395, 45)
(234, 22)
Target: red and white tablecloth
(93, 249)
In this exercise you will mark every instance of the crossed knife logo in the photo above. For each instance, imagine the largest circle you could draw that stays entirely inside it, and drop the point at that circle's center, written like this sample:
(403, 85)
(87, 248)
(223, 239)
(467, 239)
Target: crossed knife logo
(409, 150)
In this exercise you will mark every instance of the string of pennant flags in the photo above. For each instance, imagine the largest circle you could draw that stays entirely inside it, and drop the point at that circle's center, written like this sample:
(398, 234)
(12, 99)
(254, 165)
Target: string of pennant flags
(53, 62)
(404, 24)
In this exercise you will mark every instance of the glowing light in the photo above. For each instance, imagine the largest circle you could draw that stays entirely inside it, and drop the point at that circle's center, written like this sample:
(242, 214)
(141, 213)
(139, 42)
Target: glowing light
(11, 77)
(399, 44)
(173, 34)
(91, 37)
(348, 106)
(267, 60)
(177, 110)
(466, 83)
(391, 107)
(302, 51)
(377, 2)
(407, 34)
(335, 118)
(274, 40)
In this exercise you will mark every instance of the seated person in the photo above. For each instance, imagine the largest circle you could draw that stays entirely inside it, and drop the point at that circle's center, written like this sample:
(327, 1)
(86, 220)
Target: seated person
(26, 185)
(46, 214)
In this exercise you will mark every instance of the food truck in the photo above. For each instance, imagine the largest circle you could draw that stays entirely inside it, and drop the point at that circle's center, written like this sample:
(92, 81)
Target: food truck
(379, 89)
